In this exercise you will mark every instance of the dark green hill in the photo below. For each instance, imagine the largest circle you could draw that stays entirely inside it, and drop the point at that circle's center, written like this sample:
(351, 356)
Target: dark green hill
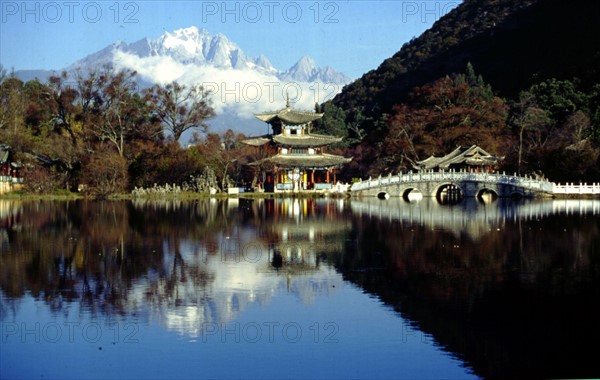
(511, 43)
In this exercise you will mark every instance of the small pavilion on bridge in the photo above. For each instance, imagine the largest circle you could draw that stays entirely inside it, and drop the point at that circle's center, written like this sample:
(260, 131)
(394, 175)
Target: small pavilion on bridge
(472, 158)
(300, 161)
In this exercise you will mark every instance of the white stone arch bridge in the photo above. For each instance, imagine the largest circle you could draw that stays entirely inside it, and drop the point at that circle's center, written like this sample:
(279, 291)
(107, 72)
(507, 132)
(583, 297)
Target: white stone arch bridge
(464, 184)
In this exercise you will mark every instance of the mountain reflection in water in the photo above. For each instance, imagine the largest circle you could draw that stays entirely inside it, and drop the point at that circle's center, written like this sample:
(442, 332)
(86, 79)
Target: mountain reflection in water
(184, 264)
(510, 289)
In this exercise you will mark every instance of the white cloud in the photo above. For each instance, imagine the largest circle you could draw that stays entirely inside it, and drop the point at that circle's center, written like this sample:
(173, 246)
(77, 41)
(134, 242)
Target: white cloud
(241, 91)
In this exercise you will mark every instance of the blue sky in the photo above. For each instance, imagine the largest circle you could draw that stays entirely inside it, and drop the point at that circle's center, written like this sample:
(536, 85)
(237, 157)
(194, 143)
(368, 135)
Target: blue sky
(351, 36)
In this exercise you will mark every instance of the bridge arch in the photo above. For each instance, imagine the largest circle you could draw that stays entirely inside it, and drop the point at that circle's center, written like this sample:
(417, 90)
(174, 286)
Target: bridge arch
(383, 195)
(515, 194)
(411, 193)
(448, 191)
(487, 195)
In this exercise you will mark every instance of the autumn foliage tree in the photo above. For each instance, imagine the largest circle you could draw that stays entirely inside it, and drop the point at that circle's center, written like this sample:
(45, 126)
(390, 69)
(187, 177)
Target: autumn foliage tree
(96, 129)
(450, 112)
(180, 108)
(220, 154)
(106, 172)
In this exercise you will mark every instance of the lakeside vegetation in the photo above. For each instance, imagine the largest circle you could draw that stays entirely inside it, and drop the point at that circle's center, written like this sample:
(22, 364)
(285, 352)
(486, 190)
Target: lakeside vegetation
(98, 134)
(103, 138)
(550, 130)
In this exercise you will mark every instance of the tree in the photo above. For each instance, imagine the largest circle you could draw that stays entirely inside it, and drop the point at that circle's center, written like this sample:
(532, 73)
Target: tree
(407, 140)
(559, 97)
(577, 127)
(226, 156)
(452, 111)
(63, 105)
(218, 157)
(552, 123)
(12, 103)
(527, 118)
(106, 172)
(89, 91)
(357, 126)
(594, 107)
(180, 109)
(332, 123)
(116, 108)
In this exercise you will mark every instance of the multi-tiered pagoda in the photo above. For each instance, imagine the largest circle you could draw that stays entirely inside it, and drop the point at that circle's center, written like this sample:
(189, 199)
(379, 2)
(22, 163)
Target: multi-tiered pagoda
(299, 161)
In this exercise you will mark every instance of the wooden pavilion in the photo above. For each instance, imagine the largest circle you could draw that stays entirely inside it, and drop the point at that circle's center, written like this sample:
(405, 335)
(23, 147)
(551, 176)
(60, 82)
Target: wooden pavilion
(300, 161)
(472, 158)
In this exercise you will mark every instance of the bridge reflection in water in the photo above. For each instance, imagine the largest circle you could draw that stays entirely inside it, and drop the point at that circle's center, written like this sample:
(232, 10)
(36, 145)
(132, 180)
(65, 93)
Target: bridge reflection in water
(470, 216)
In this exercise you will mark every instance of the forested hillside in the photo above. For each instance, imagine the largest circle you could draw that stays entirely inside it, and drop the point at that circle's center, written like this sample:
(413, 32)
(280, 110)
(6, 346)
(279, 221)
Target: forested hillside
(511, 43)
(536, 63)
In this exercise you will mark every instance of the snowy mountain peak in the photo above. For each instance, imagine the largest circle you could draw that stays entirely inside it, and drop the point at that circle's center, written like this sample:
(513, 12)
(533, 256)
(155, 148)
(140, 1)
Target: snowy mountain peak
(303, 70)
(307, 62)
(263, 61)
(306, 70)
(196, 46)
(190, 31)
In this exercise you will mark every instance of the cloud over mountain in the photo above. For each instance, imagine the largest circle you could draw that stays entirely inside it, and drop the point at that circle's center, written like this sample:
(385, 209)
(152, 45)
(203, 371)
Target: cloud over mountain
(238, 85)
(235, 82)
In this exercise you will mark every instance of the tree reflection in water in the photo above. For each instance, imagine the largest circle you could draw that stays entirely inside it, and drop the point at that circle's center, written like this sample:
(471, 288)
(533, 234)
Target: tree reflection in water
(188, 262)
(510, 287)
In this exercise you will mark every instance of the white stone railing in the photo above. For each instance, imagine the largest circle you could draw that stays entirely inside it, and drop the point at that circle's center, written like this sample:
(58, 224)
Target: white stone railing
(582, 188)
(526, 182)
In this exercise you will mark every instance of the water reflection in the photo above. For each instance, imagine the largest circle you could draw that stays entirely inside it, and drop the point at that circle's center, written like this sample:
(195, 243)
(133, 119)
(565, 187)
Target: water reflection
(511, 287)
(470, 216)
(184, 264)
(508, 288)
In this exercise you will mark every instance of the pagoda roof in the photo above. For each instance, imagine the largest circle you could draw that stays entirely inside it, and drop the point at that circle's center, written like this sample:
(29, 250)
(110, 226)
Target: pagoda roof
(258, 140)
(473, 155)
(306, 140)
(289, 116)
(316, 161)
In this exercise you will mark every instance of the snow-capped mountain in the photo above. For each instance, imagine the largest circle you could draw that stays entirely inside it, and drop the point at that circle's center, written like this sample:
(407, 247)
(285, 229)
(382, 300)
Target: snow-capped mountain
(239, 85)
(193, 46)
(306, 70)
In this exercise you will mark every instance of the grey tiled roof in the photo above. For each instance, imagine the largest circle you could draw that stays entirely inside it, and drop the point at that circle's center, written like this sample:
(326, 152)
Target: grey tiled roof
(309, 161)
(289, 116)
(257, 141)
(308, 140)
(473, 155)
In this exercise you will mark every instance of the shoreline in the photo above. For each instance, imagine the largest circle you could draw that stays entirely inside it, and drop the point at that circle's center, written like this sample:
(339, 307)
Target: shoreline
(184, 196)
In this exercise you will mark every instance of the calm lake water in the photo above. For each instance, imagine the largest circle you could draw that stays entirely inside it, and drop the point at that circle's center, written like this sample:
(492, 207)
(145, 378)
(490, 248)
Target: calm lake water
(299, 288)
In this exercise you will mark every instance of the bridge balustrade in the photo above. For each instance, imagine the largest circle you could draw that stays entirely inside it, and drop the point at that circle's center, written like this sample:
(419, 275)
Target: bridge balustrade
(576, 189)
(524, 182)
